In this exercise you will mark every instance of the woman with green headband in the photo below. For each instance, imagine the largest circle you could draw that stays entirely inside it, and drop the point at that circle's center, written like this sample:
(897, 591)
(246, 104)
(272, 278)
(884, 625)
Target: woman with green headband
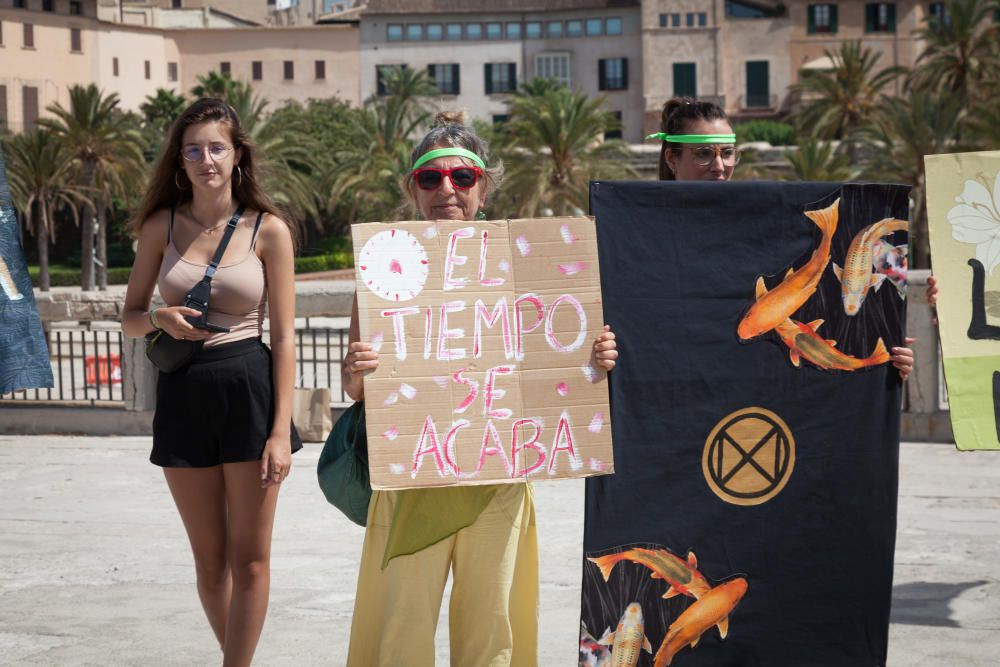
(699, 145)
(698, 142)
(484, 535)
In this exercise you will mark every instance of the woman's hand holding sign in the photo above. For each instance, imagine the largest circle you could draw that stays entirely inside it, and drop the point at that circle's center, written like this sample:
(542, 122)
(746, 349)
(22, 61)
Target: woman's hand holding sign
(606, 349)
(360, 359)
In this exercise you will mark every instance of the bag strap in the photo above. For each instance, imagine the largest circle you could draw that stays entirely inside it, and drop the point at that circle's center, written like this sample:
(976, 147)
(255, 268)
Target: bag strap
(228, 234)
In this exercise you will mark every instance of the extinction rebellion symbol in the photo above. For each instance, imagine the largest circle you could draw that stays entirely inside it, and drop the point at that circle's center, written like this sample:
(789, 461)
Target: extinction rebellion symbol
(749, 456)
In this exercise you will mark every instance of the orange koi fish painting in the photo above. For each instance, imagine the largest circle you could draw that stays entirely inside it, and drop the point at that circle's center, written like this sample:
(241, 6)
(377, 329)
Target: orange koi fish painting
(804, 342)
(628, 639)
(773, 307)
(757, 425)
(711, 611)
(711, 606)
(804, 294)
(859, 273)
(683, 576)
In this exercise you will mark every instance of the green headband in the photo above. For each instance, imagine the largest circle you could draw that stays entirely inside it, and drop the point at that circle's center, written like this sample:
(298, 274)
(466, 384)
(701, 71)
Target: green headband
(694, 138)
(445, 152)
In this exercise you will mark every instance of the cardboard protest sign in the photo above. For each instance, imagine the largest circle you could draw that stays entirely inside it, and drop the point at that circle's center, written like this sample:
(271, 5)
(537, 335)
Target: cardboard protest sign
(963, 211)
(751, 517)
(485, 334)
(24, 355)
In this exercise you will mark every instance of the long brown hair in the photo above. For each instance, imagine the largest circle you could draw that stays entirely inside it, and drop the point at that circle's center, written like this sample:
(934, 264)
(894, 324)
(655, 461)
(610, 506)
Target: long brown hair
(677, 114)
(163, 191)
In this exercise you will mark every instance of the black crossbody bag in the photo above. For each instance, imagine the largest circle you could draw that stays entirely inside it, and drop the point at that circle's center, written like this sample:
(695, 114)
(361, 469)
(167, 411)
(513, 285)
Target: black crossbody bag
(168, 353)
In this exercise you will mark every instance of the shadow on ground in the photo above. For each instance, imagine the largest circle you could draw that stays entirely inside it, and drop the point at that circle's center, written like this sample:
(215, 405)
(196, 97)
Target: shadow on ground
(926, 603)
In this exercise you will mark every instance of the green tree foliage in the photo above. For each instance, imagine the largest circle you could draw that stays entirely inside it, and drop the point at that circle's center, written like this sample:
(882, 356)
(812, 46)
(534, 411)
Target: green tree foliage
(326, 126)
(903, 131)
(213, 84)
(109, 153)
(553, 146)
(41, 174)
(836, 103)
(819, 161)
(366, 184)
(773, 132)
(961, 55)
(159, 111)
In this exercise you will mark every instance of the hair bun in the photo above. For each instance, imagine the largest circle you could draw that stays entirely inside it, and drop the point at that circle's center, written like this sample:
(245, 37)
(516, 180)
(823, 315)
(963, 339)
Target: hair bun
(453, 117)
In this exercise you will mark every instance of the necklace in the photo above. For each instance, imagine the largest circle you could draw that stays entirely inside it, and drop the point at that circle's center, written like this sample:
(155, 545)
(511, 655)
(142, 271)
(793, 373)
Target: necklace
(204, 229)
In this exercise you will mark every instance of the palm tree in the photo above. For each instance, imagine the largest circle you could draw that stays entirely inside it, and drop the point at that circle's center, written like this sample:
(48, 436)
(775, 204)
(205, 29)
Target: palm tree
(408, 87)
(365, 185)
(213, 84)
(818, 161)
(286, 163)
(556, 148)
(983, 123)
(109, 152)
(328, 124)
(41, 175)
(159, 111)
(961, 53)
(903, 131)
(838, 102)
(249, 106)
(162, 108)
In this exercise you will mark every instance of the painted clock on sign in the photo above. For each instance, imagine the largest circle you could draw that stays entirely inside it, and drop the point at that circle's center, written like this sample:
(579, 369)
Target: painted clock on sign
(393, 265)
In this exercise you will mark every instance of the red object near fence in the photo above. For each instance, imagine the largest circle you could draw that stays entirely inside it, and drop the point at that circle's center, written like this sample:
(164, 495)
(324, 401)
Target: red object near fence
(98, 368)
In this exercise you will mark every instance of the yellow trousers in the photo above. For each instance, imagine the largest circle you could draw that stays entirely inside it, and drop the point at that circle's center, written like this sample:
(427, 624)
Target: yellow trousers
(493, 611)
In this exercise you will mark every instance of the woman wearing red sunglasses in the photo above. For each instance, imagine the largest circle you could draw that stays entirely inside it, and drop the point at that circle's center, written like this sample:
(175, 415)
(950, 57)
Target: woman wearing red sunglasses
(485, 535)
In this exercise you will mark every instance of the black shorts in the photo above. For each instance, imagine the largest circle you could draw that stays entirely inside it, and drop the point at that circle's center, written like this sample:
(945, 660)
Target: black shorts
(216, 409)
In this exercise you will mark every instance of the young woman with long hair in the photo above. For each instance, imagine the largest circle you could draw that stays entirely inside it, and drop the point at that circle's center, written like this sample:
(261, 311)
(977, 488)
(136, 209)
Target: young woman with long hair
(222, 431)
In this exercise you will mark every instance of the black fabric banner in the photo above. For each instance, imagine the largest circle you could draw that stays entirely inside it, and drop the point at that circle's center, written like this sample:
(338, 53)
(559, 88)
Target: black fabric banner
(751, 518)
(24, 356)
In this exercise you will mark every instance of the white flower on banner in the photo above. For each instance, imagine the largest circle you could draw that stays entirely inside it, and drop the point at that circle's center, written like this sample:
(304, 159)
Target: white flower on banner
(976, 220)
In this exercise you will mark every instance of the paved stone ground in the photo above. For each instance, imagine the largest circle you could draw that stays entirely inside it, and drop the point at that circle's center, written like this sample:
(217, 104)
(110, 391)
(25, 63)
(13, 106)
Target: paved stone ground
(95, 568)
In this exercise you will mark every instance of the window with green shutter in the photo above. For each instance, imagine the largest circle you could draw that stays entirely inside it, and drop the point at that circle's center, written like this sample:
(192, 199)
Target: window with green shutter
(880, 17)
(939, 17)
(822, 19)
(685, 80)
(499, 78)
(612, 74)
(758, 84)
(445, 77)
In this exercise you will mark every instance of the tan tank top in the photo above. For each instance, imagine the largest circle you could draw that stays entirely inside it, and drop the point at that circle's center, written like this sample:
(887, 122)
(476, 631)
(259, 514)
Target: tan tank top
(239, 289)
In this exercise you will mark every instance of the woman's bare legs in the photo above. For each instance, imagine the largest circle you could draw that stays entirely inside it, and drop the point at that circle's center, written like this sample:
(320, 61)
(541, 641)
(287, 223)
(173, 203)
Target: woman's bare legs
(200, 496)
(251, 519)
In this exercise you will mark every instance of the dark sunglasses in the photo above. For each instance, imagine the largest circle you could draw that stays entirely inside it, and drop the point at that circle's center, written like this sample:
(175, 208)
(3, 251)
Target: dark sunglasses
(462, 178)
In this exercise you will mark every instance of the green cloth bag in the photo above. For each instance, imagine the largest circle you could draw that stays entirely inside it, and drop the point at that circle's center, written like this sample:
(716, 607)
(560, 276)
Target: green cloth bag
(343, 465)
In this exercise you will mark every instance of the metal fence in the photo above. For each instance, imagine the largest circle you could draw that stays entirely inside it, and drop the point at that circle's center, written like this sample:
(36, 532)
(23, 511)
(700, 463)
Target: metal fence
(86, 365)
(318, 353)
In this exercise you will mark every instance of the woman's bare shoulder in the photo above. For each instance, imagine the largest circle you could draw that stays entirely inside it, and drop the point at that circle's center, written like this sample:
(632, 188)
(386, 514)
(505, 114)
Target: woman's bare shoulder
(154, 228)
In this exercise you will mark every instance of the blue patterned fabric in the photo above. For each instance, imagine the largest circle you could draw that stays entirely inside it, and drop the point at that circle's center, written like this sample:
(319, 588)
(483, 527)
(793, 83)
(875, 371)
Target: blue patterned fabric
(24, 356)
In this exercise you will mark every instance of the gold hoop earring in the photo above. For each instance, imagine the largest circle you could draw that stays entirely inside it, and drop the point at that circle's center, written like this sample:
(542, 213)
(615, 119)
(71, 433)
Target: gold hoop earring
(239, 172)
(176, 174)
